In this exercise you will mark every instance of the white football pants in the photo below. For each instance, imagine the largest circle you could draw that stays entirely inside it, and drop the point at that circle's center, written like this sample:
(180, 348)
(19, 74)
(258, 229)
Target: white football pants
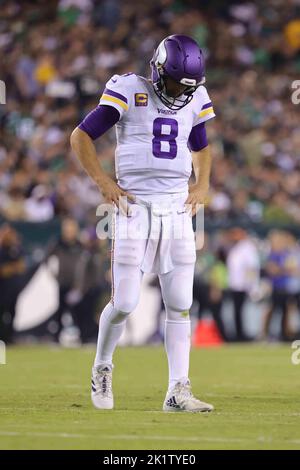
(158, 237)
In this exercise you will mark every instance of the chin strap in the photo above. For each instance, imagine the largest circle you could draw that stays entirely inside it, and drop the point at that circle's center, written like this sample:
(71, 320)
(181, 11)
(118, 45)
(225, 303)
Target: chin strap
(170, 102)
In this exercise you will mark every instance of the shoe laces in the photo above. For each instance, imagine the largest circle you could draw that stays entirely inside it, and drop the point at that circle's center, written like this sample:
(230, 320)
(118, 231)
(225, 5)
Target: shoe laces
(104, 379)
(184, 390)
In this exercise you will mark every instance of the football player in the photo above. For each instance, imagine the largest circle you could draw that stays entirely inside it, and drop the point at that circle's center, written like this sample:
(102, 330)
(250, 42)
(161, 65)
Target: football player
(160, 126)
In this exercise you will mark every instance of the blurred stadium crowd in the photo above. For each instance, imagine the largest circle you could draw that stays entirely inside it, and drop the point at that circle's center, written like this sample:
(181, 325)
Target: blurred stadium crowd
(55, 58)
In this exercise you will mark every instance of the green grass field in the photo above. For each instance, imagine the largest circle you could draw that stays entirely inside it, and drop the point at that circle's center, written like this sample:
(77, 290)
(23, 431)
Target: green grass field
(45, 401)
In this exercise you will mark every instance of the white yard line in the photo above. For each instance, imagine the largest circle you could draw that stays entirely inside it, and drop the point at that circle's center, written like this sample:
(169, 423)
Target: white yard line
(124, 437)
(237, 415)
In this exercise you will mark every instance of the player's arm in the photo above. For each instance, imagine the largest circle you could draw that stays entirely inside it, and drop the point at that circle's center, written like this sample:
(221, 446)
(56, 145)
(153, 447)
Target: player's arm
(92, 127)
(201, 158)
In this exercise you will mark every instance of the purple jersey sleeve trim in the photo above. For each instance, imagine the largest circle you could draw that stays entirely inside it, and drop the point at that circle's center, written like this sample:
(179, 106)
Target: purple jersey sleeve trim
(198, 138)
(207, 105)
(107, 91)
(99, 120)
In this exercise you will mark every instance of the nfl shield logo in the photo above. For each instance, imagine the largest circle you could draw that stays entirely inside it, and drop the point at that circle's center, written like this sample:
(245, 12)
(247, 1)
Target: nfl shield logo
(141, 99)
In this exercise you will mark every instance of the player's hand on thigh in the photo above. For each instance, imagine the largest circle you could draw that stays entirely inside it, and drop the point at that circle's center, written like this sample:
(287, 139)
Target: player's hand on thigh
(197, 197)
(113, 194)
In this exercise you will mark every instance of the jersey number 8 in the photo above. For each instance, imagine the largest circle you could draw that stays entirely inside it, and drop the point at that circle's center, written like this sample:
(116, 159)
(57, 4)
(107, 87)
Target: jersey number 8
(169, 135)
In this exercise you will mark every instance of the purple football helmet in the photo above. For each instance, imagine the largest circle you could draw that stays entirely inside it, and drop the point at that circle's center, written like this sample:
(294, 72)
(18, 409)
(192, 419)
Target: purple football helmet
(180, 58)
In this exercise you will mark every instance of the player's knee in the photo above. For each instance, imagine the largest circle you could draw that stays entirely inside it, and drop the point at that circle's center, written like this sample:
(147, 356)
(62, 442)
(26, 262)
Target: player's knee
(178, 294)
(125, 306)
(127, 295)
(179, 302)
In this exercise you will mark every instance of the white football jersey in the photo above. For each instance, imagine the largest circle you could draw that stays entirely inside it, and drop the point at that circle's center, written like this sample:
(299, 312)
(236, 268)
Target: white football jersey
(152, 154)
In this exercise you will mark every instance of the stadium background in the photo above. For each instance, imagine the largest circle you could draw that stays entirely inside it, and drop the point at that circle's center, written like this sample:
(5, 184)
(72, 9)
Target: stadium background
(56, 57)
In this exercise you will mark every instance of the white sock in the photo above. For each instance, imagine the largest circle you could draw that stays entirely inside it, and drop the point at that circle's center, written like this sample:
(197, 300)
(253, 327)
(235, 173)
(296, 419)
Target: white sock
(111, 326)
(177, 344)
